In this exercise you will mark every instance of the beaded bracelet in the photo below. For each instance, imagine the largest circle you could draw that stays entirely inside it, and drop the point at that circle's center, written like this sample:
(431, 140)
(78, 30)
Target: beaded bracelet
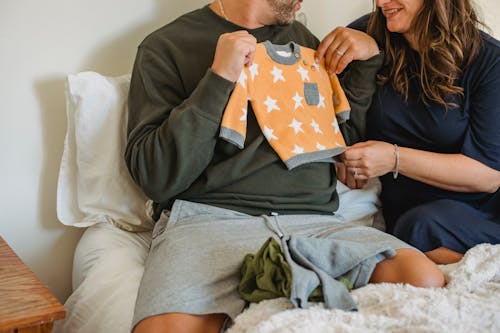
(396, 157)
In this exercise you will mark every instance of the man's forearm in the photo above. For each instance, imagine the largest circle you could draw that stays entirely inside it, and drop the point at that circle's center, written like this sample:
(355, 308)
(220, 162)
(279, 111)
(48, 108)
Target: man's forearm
(165, 159)
(359, 86)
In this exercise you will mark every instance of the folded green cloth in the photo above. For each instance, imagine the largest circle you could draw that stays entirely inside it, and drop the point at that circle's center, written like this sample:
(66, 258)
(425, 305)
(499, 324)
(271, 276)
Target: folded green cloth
(267, 275)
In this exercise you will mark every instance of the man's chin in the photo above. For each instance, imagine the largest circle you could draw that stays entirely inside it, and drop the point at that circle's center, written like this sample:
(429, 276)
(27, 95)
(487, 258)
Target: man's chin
(285, 21)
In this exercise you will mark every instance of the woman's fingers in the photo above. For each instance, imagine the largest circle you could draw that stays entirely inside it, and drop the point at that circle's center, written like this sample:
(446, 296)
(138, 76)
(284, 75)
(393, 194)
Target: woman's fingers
(343, 45)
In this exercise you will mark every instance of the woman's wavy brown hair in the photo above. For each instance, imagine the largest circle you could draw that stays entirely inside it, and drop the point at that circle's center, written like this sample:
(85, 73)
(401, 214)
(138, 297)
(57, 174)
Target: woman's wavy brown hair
(448, 38)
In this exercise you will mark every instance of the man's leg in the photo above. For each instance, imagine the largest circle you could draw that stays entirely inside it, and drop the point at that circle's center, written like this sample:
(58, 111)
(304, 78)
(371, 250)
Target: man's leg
(191, 276)
(407, 266)
(181, 323)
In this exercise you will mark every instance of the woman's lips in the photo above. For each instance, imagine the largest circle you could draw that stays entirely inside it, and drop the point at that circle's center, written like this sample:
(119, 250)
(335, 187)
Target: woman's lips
(390, 13)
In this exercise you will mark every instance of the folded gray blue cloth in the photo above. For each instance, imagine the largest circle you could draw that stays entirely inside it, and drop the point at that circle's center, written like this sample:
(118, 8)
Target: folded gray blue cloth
(320, 261)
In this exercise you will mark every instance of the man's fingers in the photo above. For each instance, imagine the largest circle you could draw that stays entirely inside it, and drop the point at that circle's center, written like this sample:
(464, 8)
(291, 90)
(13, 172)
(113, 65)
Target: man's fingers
(233, 51)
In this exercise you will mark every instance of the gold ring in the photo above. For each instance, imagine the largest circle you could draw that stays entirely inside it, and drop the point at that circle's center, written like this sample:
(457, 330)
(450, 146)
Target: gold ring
(340, 53)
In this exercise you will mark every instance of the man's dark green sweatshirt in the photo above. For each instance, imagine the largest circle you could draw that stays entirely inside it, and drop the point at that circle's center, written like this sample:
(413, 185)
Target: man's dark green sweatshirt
(176, 105)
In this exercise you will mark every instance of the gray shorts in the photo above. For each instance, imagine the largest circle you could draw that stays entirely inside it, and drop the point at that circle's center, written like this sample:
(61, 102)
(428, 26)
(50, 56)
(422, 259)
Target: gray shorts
(197, 250)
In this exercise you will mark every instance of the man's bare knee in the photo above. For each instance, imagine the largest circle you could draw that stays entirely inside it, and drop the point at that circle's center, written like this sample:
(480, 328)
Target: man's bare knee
(181, 323)
(409, 266)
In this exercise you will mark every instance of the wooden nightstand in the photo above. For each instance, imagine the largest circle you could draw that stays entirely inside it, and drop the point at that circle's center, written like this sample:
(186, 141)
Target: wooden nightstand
(26, 305)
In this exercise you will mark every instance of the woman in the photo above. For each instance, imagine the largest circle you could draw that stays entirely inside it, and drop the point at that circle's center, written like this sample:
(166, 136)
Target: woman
(434, 125)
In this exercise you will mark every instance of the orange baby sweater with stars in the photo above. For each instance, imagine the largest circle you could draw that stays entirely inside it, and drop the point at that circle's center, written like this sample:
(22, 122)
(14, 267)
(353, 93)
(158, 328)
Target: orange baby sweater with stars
(297, 104)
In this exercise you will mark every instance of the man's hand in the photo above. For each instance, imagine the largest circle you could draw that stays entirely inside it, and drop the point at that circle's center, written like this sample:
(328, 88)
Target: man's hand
(343, 45)
(234, 51)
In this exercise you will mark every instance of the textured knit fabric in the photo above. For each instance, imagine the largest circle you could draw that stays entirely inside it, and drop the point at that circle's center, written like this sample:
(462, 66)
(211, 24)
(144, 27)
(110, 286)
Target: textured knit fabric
(298, 105)
(267, 275)
(472, 129)
(175, 110)
(318, 261)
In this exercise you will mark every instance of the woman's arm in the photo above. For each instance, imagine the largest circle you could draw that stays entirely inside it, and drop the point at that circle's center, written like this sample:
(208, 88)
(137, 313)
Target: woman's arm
(454, 172)
(472, 168)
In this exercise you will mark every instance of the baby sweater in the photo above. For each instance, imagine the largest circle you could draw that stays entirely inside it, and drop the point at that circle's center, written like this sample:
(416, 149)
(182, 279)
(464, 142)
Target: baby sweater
(297, 104)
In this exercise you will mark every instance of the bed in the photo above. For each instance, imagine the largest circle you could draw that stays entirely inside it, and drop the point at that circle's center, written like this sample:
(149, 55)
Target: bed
(95, 192)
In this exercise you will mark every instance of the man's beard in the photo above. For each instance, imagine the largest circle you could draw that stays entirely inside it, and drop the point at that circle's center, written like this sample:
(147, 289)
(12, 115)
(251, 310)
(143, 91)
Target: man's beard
(284, 11)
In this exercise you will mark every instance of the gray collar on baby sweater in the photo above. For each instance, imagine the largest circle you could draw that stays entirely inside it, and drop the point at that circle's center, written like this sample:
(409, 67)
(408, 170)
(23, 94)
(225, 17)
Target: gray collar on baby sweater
(287, 54)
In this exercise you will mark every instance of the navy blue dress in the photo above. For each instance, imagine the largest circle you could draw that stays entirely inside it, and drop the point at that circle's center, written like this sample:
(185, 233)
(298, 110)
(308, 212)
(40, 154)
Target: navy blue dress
(425, 216)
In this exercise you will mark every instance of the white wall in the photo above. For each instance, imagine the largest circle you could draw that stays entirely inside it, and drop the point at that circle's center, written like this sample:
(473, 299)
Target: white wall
(40, 43)
(324, 15)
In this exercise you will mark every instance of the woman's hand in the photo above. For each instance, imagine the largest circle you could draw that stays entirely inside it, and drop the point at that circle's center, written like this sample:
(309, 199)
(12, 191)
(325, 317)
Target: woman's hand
(365, 160)
(452, 172)
(343, 45)
(346, 177)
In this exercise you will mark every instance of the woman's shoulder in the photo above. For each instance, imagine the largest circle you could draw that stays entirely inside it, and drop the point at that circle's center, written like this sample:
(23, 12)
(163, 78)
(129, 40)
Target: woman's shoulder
(490, 43)
(360, 23)
(484, 68)
(488, 56)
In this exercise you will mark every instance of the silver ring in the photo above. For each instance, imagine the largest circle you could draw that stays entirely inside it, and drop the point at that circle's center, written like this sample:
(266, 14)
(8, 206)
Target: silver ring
(340, 53)
(355, 172)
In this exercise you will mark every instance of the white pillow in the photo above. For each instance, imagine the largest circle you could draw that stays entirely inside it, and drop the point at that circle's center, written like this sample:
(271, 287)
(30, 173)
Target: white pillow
(94, 184)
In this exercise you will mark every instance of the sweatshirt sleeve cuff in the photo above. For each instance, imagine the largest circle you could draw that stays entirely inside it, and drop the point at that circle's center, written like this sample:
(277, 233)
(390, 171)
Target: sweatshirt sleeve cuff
(372, 64)
(211, 95)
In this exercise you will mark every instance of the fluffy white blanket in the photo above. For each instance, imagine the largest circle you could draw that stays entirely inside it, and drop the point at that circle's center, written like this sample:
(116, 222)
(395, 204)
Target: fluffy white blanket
(469, 303)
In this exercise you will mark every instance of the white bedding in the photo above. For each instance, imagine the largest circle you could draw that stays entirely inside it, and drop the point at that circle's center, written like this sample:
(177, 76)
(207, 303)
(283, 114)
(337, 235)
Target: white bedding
(109, 263)
(469, 303)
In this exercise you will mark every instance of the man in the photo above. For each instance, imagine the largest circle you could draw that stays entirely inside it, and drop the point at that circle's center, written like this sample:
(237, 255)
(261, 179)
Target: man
(213, 201)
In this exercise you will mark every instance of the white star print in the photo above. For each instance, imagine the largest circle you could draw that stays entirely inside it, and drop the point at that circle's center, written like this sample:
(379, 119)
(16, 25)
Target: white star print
(244, 116)
(316, 65)
(319, 146)
(269, 134)
(298, 150)
(271, 104)
(303, 73)
(335, 126)
(254, 70)
(296, 125)
(321, 103)
(242, 79)
(278, 74)
(298, 100)
(315, 126)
